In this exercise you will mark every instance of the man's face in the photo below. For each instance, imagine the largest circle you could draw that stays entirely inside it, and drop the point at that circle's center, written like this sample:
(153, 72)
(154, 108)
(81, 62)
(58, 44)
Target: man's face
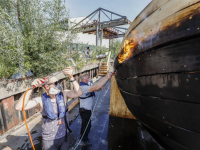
(86, 79)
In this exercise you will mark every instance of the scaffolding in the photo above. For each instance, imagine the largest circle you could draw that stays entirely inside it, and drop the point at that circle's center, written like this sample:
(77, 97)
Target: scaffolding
(103, 29)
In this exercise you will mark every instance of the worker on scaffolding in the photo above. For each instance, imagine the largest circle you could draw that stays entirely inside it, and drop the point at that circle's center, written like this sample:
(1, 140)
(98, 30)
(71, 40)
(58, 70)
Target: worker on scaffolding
(86, 103)
(55, 127)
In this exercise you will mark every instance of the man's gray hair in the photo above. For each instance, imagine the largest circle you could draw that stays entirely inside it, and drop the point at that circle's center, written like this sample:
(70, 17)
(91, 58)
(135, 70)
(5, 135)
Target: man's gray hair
(84, 75)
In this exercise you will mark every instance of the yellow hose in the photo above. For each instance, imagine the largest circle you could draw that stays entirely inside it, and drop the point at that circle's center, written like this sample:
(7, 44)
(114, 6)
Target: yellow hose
(26, 121)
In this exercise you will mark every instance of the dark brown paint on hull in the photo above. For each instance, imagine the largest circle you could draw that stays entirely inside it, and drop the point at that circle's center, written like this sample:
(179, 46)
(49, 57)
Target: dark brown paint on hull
(160, 82)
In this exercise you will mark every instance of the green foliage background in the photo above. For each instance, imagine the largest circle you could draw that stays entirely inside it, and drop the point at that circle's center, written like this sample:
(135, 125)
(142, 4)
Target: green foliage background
(115, 48)
(33, 36)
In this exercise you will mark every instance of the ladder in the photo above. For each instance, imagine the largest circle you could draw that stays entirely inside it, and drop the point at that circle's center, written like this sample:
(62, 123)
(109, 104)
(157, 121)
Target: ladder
(104, 67)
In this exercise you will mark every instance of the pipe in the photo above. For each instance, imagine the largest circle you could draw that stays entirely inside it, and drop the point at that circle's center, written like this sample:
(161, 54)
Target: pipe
(24, 114)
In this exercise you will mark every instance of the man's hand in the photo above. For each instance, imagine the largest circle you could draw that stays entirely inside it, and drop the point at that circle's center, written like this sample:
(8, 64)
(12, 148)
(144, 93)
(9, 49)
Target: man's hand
(102, 88)
(37, 82)
(109, 75)
(68, 71)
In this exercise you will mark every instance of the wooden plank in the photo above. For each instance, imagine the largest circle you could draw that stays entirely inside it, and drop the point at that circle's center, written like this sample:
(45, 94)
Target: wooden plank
(179, 87)
(103, 67)
(101, 74)
(102, 71)
(165, 142)
(170, 8)
(179, 26)
(181, 114)
(104, 74)
(167, 8)
(73, 104)
(186, 138)
(179, 57)
(118, 107)
(145, 13)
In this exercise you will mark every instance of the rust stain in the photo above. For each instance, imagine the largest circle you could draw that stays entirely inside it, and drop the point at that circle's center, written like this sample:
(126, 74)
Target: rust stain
(8, 113)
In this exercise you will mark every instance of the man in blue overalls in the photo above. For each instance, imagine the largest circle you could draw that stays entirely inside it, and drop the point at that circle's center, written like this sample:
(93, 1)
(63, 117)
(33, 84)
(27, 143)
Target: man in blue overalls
(86, 102)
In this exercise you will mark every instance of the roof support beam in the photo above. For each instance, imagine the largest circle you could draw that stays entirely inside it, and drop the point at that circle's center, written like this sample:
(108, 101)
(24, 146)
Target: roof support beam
(112, 24)
(98, 26)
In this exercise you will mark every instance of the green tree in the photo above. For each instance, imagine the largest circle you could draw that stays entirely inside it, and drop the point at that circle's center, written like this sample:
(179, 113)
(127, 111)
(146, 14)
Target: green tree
(99, 50)
(34, 36)
(9, 35)
(115, 47)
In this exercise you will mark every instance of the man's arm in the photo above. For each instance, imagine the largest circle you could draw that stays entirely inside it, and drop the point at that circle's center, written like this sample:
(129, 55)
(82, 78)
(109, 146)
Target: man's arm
(100, 83)
(76, 92)
(28, 104)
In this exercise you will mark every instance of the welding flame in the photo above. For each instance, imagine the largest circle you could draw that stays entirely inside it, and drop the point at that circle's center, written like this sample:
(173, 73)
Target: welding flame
(128, 47)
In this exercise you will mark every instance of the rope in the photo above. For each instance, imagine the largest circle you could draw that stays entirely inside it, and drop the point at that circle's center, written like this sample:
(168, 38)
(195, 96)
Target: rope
(89, 119)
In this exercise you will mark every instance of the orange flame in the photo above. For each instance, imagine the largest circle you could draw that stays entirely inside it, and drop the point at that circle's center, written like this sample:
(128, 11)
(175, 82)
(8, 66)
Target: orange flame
(128, 47)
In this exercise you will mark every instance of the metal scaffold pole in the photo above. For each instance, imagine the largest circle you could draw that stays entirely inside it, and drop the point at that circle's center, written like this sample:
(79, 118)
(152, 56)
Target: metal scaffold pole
(101, 37)
(97, 34)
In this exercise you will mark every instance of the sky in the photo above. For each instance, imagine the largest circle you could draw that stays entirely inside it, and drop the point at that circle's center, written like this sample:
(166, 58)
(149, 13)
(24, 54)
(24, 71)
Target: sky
(129, 8)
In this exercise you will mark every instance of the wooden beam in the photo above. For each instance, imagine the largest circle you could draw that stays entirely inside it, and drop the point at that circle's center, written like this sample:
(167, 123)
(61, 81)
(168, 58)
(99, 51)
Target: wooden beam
(182, 24)
(158, 11)
(118, 107)
(147, 11)
(178, 57)
(112, 24)
(73, 104)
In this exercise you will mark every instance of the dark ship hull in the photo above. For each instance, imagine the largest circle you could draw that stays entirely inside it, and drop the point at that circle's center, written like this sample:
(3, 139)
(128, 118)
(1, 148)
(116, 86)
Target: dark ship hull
(160, 81)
